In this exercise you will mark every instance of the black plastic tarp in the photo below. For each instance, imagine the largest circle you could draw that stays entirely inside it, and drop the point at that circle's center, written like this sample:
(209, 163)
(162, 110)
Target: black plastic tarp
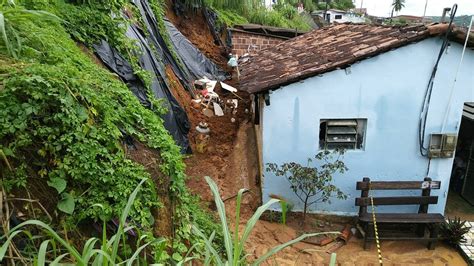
(161, 49)
(215, 27)
(197, 63)
(175, 120)
(117, 64)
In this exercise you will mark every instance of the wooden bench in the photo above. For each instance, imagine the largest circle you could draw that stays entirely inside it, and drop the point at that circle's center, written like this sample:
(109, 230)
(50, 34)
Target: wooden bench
(422, 221)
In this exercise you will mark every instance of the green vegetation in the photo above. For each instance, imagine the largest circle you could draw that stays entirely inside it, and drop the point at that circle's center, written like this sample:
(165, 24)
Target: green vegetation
(453, 231)
(283, 14)
(231, 12)
(335, 4)
(230, 18)
(105, 251)
(286, 17)
(63, 119)
(313, 184)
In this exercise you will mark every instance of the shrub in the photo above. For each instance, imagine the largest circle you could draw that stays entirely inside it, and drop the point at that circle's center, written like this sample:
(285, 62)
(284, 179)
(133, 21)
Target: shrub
(312, 184)
(453, 231)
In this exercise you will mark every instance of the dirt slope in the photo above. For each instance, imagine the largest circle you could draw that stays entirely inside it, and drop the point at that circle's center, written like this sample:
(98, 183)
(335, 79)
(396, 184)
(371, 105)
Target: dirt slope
(194, 27)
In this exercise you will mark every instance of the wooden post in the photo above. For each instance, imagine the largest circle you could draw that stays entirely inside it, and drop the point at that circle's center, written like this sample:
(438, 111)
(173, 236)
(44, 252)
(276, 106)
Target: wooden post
(364, 194)
(369, 230)
(434, 236)
(425, 192)
(424, 209)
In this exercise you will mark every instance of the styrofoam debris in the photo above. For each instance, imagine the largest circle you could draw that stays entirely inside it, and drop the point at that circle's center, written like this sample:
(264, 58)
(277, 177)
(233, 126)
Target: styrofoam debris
(217, 109)
(228, 87)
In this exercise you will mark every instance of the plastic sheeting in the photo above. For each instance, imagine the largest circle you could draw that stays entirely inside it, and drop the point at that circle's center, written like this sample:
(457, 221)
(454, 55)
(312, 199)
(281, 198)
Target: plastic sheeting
(175, 120)
(154, 55)
(197, 63)
(212, 21)
(161, 49)
(117, 64)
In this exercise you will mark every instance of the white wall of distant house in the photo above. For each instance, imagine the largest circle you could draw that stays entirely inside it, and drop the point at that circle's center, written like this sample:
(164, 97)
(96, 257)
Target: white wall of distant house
(388, 91)
(342, 17)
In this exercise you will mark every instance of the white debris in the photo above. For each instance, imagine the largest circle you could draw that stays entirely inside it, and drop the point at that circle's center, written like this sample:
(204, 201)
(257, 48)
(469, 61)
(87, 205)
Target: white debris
(228, 87)
(217, 109)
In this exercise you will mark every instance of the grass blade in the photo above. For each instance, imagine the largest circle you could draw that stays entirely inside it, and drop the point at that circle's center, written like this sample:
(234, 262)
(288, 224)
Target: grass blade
(58, 259)
(222, 215)
(184, 261)
(236, 231)
(103, 254)
(208, 244)
(88, 247)
(332, 262)
(42, 252)
(72, 250)
(123, 219)
(5, 245)
(142, 247)
(3, 32)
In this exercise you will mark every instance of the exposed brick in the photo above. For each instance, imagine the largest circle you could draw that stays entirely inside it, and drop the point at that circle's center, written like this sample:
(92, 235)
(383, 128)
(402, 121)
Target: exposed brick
(242, 41)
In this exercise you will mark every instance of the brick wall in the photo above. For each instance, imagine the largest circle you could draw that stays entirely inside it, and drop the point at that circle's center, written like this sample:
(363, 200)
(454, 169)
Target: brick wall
(244, 42)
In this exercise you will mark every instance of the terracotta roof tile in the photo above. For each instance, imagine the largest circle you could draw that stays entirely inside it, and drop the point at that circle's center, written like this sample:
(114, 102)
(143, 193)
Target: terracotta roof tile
(323, 50)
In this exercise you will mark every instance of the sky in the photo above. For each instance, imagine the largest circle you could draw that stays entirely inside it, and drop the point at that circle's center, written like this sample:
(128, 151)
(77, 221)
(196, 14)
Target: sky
(416, 7)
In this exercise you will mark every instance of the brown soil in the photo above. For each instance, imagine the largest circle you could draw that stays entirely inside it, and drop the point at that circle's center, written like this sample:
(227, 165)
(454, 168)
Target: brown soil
(194, 27)
(223, 136)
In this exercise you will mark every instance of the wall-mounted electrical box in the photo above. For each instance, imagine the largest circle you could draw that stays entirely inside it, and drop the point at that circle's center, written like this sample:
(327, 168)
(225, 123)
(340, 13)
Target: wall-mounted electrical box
(449, 145)
(434, 150)
(442, 145)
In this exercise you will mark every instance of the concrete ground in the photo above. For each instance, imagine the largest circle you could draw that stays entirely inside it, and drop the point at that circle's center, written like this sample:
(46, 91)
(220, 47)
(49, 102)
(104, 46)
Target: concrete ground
(457, 206)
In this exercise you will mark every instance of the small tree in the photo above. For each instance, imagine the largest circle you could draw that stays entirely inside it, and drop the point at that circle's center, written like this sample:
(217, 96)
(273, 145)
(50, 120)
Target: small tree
(313, 184)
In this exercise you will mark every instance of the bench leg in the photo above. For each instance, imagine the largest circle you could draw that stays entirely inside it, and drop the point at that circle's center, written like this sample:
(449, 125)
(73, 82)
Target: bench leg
(433, 234)
(420, 230)
(369, 233)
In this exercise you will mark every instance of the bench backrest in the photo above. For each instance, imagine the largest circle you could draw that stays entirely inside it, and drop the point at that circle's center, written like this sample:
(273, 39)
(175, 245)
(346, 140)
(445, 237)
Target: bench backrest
(424, 200)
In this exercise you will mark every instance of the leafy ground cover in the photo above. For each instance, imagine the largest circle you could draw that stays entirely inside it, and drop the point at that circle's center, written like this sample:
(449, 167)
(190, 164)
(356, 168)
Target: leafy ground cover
(64, 118)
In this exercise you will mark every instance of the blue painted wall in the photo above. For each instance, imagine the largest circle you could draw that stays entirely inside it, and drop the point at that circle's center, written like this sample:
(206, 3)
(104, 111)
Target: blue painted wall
(388, 91)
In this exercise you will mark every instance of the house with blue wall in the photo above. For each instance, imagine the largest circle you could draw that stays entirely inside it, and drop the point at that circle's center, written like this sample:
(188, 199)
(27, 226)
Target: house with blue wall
(392, 97)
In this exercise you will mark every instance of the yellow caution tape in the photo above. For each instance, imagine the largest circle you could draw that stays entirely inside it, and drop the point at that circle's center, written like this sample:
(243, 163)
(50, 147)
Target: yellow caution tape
(379, 251)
